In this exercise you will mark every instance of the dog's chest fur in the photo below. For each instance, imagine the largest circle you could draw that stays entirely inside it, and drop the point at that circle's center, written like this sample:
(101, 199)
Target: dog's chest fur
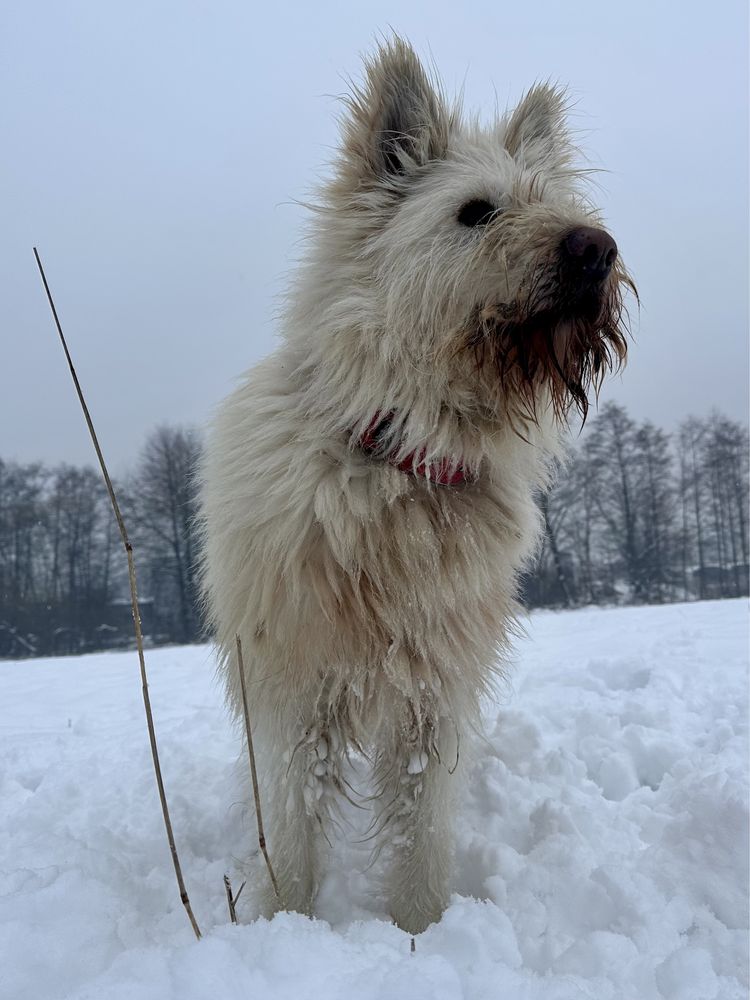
(363, 584)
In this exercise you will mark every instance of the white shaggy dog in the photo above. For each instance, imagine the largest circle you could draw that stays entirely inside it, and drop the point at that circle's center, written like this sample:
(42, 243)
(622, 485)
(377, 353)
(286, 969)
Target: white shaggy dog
(368, 491)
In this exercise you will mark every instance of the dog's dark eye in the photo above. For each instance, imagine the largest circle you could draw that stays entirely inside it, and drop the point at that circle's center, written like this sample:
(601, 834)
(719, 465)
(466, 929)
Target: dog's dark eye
(476, 213)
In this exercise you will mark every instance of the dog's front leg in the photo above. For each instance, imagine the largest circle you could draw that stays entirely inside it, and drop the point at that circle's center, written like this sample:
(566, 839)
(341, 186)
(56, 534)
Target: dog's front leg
(414, 823)
(300, 785)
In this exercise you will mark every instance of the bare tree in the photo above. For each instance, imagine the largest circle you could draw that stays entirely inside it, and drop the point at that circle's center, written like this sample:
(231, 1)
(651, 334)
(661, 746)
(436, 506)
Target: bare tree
(655, 489)
(56, 571)
(557, 507)
(724, 461)
(582, 489)
(22, 519)
(163, 496)
(612, 450)
(692, 434)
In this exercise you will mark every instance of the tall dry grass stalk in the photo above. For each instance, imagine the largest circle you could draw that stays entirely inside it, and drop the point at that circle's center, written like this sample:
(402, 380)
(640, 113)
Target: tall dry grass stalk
(136, 611)
(254, 773)
(231, 898)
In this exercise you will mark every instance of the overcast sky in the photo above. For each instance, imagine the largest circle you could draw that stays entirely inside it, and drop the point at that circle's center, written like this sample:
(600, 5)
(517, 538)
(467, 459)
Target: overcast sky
(153, 152)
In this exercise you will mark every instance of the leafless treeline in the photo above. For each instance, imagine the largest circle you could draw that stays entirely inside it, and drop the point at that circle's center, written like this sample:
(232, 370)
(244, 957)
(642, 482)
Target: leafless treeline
(637, 515)
(63, 575)
(642, 516)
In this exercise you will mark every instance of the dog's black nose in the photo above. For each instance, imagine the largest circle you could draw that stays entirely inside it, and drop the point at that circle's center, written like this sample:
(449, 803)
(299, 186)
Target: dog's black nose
(591, 251)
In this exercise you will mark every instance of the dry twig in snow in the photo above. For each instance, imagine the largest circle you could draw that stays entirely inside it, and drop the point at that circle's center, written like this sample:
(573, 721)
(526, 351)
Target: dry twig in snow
(254, 773)
(231, 899)
(136, 611)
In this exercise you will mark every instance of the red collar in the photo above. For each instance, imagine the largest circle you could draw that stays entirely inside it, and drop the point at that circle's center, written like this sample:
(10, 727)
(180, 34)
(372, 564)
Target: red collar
(442, 472)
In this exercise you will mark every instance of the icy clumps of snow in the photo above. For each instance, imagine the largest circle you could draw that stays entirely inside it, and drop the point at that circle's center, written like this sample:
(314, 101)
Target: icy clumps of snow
(417, 762)
(601, 851)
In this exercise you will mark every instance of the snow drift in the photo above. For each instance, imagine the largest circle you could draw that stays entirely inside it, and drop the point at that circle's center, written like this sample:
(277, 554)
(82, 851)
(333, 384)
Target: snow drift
(602, 848)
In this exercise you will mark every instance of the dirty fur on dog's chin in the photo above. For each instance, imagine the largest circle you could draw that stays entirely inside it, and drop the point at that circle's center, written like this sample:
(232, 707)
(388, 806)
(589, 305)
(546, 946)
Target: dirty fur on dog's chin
(375, 607)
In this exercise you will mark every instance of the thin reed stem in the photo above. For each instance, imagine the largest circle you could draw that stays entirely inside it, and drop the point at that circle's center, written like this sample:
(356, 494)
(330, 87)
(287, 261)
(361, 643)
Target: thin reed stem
(254, 773)
(136, 611)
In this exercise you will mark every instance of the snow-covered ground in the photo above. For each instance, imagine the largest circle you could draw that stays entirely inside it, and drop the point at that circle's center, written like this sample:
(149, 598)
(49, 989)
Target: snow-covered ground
(602, 848)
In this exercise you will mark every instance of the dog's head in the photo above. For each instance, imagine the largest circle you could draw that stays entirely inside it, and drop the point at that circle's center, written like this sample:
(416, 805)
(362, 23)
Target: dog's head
(466, 254)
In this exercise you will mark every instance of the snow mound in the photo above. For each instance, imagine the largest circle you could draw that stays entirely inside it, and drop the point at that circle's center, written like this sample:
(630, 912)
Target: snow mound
(602, 834)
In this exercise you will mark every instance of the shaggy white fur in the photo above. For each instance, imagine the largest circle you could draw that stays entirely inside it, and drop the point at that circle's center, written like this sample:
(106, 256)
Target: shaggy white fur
(375, 605)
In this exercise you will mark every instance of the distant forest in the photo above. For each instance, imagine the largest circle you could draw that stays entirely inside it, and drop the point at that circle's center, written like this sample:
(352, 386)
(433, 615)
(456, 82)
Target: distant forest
(636, 516)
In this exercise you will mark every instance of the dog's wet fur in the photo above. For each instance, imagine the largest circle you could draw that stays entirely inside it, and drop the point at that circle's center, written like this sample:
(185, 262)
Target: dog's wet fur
(459, 280)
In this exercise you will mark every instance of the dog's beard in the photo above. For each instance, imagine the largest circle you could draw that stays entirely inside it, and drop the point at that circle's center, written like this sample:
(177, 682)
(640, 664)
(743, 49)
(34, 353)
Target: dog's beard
(555, 342)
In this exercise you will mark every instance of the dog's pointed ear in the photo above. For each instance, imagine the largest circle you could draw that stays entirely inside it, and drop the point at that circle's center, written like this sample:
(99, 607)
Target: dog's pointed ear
(397, 120)
(537, 132)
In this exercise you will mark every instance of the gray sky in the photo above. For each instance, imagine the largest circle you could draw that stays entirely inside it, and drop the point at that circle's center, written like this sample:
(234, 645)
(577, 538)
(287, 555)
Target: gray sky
(152, 151)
